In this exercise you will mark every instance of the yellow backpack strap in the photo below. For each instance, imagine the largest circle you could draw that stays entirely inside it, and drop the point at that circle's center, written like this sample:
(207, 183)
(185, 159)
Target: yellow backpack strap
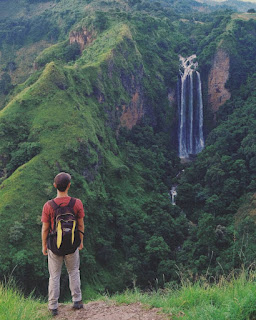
(73, 232)
(59, 235)
(55, 206)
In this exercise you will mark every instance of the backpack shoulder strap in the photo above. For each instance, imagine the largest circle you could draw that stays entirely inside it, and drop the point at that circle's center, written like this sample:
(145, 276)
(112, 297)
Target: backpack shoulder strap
(72, 203)
(53, 204)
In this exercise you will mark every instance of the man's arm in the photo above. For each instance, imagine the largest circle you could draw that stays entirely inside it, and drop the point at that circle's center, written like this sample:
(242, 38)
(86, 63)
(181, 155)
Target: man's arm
(80, 226)
(45, 232)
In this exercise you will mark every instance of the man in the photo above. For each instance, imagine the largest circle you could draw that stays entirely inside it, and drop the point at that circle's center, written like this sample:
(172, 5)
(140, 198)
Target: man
(62, 183)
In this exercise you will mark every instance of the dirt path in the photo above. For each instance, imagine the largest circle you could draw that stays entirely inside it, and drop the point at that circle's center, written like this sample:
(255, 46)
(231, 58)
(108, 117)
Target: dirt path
(100, 310)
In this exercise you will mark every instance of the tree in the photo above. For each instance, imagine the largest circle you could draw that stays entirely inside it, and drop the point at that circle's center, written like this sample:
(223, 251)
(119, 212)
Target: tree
(156, 250)
(5, 83)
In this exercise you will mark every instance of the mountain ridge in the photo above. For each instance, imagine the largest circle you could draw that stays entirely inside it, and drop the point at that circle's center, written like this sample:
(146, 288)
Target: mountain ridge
(240, 6)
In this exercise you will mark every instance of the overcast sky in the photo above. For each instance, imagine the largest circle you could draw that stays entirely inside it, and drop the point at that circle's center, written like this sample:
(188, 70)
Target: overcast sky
(254, 1)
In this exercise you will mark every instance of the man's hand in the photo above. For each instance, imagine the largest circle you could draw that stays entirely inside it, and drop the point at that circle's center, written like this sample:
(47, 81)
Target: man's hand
(45, 232)
(44, 250)
(80, 226)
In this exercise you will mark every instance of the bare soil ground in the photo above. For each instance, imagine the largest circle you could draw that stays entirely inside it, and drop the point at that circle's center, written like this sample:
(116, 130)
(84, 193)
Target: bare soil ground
(101, 310)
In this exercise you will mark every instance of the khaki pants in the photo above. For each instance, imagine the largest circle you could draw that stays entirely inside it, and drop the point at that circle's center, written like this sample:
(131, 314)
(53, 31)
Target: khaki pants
(72, 262)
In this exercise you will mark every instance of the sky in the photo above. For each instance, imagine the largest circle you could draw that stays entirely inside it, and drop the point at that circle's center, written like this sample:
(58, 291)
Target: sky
(254, 1)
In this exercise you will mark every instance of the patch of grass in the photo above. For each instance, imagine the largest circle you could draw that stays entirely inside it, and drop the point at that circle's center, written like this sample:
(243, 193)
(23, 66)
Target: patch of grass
(102, 48)
(227, 299)
(14, 306)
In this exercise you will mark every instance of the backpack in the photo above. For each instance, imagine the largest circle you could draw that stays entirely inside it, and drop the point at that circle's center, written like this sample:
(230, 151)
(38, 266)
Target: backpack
(64, 238)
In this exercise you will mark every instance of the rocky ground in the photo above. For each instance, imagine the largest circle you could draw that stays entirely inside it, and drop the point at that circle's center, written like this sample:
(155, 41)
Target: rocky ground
(101, 310)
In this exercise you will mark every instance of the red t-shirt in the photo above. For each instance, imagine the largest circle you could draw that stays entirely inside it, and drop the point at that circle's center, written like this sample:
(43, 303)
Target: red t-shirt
(48, 212)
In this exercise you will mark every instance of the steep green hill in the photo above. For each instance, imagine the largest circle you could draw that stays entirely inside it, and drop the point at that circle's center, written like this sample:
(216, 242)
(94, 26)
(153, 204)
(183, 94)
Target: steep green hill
(67, 116)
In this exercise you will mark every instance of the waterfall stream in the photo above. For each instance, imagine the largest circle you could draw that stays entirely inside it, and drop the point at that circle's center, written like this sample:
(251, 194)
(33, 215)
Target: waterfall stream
(173, 194)
(190, 103)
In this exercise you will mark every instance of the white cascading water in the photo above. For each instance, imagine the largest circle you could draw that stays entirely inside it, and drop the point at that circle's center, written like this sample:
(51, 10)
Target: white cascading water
(200, 136)
(190, 132)
(173, 194)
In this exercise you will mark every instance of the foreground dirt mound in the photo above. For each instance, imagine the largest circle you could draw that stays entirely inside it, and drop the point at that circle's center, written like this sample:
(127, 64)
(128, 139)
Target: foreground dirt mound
(101, 310)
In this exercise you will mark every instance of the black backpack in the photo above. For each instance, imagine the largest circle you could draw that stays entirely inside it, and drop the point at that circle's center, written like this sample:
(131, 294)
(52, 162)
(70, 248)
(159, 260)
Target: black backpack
(64, 238)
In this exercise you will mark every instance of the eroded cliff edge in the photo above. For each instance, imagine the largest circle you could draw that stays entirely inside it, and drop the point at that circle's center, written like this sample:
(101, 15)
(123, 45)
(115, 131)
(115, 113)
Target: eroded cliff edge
(218, 94)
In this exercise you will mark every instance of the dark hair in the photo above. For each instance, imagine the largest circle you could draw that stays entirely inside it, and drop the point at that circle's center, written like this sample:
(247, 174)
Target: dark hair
(62, 180)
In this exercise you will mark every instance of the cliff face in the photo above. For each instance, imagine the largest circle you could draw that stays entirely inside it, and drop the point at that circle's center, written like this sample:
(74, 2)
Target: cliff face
(82, 37)
(131, 110)
(125, 73)
(133, 113)
(218, 76)
(135, 109)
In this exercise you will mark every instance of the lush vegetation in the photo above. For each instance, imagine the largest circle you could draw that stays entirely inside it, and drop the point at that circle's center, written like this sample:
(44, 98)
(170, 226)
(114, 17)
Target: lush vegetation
(223, 176)
(108, 170)
(231, 299)
(103, 114)
(14, 306)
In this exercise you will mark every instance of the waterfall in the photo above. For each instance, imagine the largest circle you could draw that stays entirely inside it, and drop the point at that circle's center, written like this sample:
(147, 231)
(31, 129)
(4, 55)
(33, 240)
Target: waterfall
(190, 103)
(173, 194)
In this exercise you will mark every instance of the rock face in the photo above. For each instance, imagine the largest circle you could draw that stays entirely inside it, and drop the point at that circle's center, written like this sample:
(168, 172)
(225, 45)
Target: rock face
(135, 110)
(128, 113)
(218, 76)
(125, 73)
(172, 96)
(133, 113)
(83, 37)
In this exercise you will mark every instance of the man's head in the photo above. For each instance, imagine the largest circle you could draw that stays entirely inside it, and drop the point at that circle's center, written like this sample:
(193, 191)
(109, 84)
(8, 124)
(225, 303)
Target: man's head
(62, 181)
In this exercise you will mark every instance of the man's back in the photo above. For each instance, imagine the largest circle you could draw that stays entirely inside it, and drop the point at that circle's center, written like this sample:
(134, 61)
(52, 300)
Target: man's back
(48, 212)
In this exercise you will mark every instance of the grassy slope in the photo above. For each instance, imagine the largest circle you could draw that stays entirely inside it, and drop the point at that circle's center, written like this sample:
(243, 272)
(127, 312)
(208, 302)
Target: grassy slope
(46, 108)
(14, 306)
(231, 299)
(27, 29)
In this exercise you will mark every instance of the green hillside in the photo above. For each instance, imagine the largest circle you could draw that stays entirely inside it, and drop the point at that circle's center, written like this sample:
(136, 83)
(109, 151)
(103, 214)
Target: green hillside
(67, 117)
(90, 88)
(13, 305)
